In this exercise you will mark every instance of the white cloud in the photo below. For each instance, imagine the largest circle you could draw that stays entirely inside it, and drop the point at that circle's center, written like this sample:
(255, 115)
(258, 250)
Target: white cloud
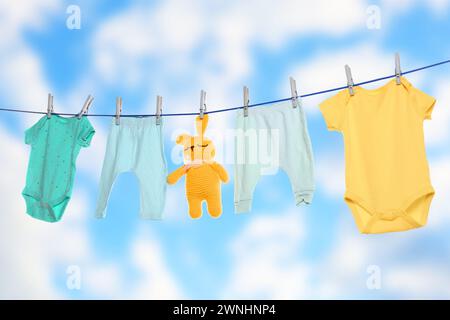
(421, 281)
(22, 77)
(265, 259)
(124, 42)
(392, 8)
(23, 83)
(213, 39)
(439, 217)
(19, 15)
(344, 272)
(103, 281)
(155, 281)
(330, 173)
(437, 131)
(439, 7)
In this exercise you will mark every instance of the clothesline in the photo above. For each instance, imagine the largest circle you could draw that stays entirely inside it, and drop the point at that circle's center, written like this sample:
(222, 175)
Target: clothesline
(234, 108)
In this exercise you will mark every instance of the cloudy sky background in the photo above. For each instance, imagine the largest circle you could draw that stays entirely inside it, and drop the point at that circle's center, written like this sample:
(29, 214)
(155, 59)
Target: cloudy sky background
(138, 49)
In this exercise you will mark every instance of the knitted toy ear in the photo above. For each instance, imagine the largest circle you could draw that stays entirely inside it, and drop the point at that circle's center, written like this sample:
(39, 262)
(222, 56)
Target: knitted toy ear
(201, 124)
(182, 138)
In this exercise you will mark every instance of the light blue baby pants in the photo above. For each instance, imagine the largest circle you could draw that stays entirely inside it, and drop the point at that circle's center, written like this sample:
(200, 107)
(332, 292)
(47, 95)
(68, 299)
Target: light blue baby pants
(269, 138)
(136, 145)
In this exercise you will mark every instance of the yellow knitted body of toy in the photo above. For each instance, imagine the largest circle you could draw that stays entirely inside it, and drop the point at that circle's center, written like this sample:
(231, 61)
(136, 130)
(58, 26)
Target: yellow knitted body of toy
(203, 175)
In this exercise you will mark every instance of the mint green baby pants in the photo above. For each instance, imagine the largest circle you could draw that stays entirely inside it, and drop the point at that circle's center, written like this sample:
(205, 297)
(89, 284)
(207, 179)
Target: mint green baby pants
(136, 145)
(270, 138)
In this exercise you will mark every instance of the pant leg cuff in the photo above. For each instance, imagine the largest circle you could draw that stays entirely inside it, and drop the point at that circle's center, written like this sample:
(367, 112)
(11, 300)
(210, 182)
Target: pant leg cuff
(100, 211)
(243, 206)
(151, 216)
(304, 197)
(100, 214)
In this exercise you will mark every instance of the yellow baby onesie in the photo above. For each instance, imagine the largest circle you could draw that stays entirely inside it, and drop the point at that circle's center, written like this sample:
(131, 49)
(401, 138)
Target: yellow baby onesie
(388, 187)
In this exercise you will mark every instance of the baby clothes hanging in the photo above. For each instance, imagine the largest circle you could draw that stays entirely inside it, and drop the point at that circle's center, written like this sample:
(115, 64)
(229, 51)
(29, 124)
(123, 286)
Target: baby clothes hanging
(136, 145)
(55, 144)
(387, 176)
(281, 130)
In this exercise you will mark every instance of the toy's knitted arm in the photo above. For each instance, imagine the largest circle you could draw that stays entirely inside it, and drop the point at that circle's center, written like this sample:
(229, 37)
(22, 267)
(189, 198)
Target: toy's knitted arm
(176, 175)
(223, 175)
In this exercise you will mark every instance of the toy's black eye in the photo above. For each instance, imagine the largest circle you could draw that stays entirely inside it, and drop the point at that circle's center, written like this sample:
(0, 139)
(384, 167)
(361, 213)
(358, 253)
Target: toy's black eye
(198, 145)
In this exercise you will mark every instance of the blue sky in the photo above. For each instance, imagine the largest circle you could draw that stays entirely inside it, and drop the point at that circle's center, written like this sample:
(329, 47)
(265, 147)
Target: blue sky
(137, 50)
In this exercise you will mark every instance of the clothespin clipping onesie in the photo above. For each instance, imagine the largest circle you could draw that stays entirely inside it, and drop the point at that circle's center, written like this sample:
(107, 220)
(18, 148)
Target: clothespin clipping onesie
(350, 84)
(398, 70)
(86, 106)
(203, 175)
(49, 106)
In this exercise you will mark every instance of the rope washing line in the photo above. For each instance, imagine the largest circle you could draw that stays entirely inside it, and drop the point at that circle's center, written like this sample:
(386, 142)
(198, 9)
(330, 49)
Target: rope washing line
(234, 108)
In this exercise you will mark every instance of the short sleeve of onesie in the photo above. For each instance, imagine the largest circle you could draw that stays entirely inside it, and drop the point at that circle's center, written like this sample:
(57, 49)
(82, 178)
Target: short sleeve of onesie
(423, 102)
(333, 110)
(86, 133)
(32, 132)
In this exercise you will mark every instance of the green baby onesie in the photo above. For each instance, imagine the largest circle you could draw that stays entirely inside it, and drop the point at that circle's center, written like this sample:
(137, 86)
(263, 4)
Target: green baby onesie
(55, 144)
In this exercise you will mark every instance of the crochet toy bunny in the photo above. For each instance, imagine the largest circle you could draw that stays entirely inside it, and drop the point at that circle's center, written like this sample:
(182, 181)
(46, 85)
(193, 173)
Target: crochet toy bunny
(203, 174)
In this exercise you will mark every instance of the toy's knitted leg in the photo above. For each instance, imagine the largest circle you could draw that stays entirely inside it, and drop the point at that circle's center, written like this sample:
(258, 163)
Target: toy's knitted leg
(214, 203)
(195, 207)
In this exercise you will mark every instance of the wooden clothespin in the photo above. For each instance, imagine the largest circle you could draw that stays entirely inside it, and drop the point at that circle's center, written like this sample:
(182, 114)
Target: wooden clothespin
(118, 109)
(49, 106)
(202, 103)
(246, 101)
(86, 106)
(350, 84)
(296, 101)
(158, 109)
(398, 70)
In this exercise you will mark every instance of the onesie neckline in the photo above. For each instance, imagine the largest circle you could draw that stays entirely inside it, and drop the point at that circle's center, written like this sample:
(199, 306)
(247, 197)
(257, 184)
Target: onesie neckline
(64, 119)
(378, 90)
